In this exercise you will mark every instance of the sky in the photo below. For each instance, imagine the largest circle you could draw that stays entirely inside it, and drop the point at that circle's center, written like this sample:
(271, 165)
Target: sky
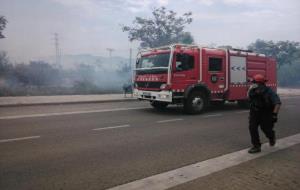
(92, 26)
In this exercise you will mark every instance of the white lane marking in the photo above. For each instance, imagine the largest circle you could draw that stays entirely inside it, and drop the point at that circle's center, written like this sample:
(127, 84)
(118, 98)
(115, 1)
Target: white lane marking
(240, 112)
(68, 113)
(19, 139)
(114, 127)
(212, 115)
(188, 173)
(169, 120)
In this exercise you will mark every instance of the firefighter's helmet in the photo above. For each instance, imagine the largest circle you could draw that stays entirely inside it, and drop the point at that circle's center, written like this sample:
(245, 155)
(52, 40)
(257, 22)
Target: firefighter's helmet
(259, 78)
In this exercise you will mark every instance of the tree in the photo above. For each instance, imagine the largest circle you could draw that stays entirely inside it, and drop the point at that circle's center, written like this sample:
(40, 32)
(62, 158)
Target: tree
(3, 22)
(5, 66)
(285, 52)
(164, 28)
(37, 73)
(288, 75)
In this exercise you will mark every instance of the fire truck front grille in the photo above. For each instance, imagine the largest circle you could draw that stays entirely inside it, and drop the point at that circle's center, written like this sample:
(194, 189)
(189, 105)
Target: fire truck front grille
(149, 84)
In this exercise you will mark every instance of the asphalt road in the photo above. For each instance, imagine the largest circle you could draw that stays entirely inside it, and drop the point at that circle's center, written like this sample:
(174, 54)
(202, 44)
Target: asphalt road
(98, 146)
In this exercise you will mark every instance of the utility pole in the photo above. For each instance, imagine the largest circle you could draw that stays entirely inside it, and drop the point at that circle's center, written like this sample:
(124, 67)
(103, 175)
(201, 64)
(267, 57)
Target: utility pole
(110, 50)
(130, 57)
(130, 64)
(57, 49)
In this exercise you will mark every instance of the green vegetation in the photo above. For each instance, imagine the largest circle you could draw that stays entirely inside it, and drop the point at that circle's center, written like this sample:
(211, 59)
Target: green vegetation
(163, 29)
(3, 23)
(287, 54)
(42, 78)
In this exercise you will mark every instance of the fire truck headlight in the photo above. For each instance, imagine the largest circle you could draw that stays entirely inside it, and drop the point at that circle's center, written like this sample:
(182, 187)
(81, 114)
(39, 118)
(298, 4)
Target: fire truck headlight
(163, 96)
(163, 86)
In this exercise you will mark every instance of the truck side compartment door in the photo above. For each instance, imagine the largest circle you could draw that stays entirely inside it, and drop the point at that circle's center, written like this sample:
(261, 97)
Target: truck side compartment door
(216, 74)
(238, 77)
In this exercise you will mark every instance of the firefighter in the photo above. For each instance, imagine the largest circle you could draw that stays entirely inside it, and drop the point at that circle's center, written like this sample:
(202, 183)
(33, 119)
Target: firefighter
(264, 107)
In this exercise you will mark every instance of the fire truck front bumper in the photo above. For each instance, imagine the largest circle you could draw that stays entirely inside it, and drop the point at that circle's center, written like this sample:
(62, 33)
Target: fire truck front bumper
(163, 96)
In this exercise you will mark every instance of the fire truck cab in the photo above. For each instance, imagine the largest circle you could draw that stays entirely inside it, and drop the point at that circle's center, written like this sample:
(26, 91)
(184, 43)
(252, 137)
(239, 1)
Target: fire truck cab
(196, 76)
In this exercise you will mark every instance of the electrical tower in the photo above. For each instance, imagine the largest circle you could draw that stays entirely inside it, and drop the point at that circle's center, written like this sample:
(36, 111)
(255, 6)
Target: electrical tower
(57, 49)
(110, 50)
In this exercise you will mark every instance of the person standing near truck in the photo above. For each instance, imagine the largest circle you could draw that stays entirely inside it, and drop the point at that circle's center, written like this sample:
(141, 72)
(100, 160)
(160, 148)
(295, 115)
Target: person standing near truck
(264, 108)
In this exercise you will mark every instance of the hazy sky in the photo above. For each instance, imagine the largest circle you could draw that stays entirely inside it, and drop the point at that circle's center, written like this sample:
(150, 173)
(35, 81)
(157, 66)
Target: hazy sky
(91, 26)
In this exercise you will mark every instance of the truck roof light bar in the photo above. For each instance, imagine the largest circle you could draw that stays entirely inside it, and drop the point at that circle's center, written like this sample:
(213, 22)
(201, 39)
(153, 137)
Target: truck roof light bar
(242, 50)
(169, 47)
(190, 46)
(246, 53)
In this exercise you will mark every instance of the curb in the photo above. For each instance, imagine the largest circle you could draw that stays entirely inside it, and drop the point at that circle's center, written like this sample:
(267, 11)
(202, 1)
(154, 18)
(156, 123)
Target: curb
(64, 103)
(92, 101)
(290, 95)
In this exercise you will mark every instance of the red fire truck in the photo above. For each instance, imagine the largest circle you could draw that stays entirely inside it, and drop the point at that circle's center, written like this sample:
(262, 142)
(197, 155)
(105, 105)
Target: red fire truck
(197, 76)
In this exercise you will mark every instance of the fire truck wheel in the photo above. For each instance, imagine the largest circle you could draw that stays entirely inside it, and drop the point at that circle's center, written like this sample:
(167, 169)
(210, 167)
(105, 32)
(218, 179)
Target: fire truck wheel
(159, 105)
(196, 102)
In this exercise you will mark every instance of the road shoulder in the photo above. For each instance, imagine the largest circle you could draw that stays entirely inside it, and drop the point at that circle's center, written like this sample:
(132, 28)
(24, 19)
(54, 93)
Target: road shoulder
(276, 171)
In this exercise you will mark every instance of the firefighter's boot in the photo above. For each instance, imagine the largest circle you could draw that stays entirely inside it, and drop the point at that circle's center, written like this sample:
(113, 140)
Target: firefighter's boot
(272, 141)
(254, 150)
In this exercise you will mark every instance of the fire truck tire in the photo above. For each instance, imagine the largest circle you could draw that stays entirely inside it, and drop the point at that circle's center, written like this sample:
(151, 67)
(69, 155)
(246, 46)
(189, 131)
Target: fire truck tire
(159, 105)
(244, 104)
(196, 102)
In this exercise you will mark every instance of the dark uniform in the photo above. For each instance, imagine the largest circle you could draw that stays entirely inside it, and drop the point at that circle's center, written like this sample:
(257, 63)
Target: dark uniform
(262, 102)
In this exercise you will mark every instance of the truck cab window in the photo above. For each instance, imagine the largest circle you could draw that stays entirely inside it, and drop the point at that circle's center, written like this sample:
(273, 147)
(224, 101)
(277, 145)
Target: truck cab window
(215, 64)
(184, 62)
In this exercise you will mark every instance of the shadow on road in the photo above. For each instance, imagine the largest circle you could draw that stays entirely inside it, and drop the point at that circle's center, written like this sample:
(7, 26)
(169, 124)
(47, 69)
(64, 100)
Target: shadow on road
(177, 110)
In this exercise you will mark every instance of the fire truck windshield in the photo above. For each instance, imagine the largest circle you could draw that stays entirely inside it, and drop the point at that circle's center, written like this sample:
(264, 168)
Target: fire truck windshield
(156, 61)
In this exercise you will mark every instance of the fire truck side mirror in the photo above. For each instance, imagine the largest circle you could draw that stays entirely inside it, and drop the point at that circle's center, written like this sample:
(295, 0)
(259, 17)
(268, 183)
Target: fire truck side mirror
(137, 62)
(184, 62)
(178, 63)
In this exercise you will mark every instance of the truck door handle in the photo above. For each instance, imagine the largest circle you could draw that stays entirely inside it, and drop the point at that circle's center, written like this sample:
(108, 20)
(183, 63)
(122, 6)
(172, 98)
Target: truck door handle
(193, 77)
